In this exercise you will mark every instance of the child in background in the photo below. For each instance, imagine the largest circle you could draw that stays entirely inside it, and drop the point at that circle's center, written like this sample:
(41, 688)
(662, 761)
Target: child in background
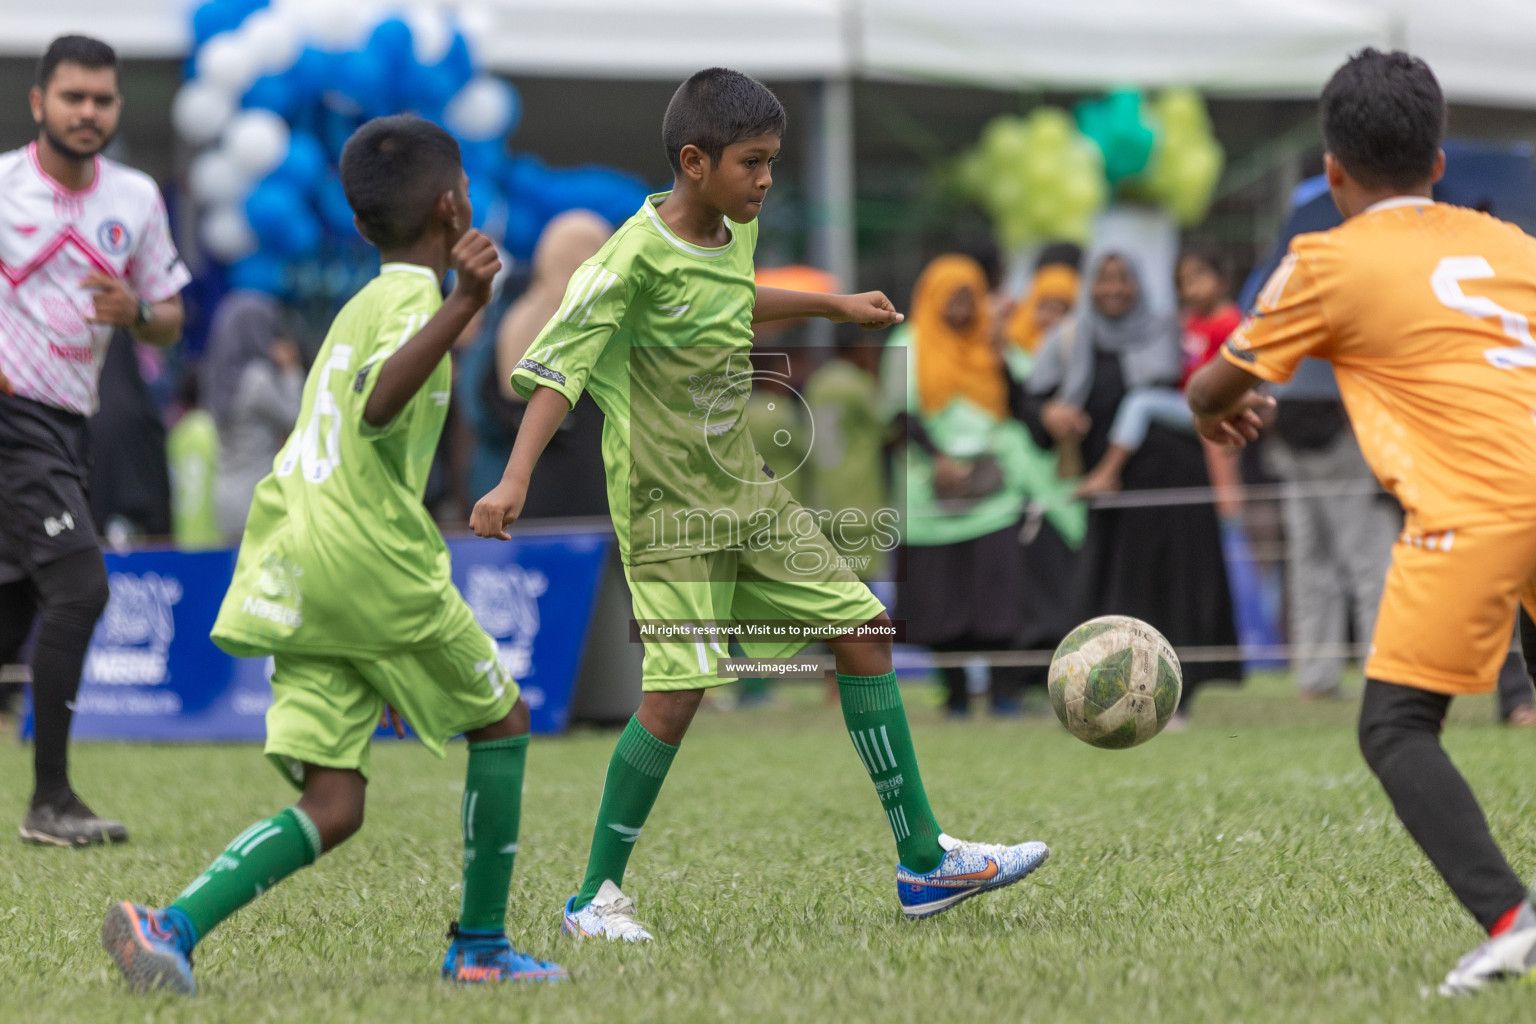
(1209, 316)
(192, 451)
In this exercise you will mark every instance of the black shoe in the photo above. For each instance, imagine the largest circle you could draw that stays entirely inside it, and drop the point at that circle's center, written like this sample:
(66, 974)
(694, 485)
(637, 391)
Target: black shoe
(69, 824)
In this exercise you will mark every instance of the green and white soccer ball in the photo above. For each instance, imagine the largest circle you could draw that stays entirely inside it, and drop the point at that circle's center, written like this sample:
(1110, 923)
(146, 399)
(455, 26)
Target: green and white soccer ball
(1115, 682)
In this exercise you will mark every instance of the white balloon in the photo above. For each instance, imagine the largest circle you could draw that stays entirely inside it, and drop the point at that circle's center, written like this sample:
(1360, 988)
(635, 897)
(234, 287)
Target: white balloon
(215, 179)
(200, 111)
(481, 110)
(339, 25)
(227, 235)
(431, 35)
(257, 141)
(273, 38)
(477, 22)
(228, 61)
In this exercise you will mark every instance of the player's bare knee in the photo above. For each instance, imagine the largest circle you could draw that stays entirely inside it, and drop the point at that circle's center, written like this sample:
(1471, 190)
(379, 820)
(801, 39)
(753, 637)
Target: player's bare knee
(515, 723)
(666, 714)
(333, 799)
(866, 650)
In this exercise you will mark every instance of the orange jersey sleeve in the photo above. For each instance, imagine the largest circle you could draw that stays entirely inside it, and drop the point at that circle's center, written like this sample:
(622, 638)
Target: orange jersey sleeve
(1287, 323)
(1425, 312)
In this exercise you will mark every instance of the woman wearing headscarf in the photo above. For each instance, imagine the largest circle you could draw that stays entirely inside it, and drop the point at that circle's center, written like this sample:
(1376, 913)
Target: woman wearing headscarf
(969, 471)
(1051, 295)
(255, 386)
(1162, 564)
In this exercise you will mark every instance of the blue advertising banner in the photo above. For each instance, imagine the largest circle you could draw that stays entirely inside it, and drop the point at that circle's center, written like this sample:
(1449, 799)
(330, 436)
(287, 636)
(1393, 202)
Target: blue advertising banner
(152, 673)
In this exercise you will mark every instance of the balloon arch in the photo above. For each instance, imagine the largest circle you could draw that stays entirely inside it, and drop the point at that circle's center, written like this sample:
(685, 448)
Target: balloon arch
(275, 88)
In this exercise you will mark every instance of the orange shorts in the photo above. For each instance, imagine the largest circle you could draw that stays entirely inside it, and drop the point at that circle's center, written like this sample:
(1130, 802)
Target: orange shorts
(1449, 606)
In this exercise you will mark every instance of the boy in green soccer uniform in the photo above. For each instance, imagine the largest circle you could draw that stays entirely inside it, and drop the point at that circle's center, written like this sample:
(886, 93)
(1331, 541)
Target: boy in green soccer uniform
(343, 579)
(658, 326)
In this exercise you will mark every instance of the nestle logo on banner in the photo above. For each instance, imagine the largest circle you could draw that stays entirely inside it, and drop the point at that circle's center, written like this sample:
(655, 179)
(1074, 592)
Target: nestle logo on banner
(505, 601)
(133, 639)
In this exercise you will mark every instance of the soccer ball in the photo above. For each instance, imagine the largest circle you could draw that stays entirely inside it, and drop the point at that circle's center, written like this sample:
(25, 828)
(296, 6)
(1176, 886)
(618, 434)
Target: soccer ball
(1115, 682)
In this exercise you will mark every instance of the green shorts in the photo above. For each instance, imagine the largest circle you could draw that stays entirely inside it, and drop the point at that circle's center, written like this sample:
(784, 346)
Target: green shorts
(325, 710)
(740, 586)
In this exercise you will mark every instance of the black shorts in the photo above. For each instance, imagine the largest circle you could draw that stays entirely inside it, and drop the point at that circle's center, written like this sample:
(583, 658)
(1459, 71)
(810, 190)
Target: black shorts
(44, 461)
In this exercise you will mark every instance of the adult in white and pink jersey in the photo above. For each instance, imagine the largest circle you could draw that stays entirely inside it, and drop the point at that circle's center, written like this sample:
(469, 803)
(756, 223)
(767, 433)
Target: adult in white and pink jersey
(84, 250)
(52, 241)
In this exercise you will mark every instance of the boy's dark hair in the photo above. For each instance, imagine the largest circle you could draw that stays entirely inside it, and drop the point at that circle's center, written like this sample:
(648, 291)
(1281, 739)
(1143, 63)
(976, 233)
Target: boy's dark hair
(82, 50)
(1383, 118)
(392, 170)
(716, 108)
(1211, 255)
(1064, 254)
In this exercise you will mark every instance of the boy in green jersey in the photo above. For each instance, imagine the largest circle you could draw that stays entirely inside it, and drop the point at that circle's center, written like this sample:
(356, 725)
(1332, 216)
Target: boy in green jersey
(657, 326)
(343, 579)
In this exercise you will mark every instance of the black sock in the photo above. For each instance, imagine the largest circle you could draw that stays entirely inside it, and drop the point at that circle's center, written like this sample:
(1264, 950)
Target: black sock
(1400, 738)
(71, 595)
(17, 609)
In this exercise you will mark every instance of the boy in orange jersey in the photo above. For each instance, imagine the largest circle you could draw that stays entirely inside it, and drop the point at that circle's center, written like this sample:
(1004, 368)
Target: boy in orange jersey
(1424, 310)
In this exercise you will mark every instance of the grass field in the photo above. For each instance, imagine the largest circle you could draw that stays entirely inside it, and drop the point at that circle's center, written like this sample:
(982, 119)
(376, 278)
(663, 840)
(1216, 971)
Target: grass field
(1248, 869)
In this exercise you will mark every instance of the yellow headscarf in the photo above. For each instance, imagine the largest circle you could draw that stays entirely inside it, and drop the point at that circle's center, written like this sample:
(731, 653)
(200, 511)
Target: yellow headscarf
(951, 363)
(1052, 281)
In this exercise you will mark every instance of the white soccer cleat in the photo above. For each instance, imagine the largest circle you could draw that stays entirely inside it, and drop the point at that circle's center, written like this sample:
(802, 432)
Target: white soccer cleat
(610, 915)
(968, 869)
(1510, 956)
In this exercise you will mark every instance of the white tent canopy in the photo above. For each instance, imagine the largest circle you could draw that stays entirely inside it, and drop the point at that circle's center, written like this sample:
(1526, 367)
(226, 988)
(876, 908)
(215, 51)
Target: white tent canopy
(1481, 49)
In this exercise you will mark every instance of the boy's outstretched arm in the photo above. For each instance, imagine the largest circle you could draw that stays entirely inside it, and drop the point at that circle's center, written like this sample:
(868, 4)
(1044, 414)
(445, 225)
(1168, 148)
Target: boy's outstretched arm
(404, 372)
(867, 309)
(500, 508)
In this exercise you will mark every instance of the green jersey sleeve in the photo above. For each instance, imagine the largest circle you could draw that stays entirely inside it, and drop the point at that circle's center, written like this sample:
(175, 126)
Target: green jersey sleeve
(396, 325)
(563, 355)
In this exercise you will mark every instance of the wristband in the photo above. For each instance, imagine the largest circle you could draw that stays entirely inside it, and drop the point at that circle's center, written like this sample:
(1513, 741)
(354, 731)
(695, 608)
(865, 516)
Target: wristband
(146, 313)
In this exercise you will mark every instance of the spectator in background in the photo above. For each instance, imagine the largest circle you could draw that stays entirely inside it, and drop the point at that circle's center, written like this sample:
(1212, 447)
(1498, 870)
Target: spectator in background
(1210, 316)
(962, 588)
(1050, 297)
(1159, 563)
(571, 470)
(130, 481)
(846, 467)
(192, 450)
(255, 388)
(1339, 525)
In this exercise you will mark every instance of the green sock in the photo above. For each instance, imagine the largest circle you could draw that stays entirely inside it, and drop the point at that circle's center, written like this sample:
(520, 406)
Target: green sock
(492, 808)
(258, 858)
(877, 724)
(635, 774)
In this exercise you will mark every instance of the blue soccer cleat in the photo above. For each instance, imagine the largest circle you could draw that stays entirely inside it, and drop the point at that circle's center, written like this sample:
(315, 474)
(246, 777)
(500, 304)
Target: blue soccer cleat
(968, 869)
(481, 959)
(146, 949)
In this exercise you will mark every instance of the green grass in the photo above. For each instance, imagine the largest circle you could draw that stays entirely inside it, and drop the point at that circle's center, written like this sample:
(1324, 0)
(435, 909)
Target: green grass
(1248, 869)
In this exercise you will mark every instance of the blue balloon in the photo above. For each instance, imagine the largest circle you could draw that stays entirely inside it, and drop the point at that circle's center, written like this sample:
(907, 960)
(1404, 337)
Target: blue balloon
(525, 222)
(212, 18)
(457, 62)
(335, 211)
(483, 159)
(282, 221)
(364, 78)
(489, 206)
(525, 176)
(314, 72)
(305, 165)
(428, 89)
(273, 92)
(390, 41)
(261, 272)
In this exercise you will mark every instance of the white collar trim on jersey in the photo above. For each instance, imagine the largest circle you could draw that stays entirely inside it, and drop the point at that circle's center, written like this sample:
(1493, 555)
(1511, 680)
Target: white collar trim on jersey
(410, 268)
(1398, 201)
(677, 243)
